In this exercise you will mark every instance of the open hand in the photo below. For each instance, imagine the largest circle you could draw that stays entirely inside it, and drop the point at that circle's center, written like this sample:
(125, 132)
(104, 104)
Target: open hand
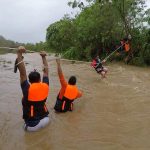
(21, 49)
(43, 53)
(58, 60)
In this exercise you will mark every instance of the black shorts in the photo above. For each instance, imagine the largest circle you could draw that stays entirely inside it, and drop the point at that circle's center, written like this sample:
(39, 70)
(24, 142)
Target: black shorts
(99, 69)
(59, 103)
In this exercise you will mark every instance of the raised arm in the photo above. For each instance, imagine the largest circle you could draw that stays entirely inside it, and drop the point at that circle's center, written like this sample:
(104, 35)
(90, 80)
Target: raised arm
(45, 63)
(60, 74)
(20, 64)
(59, 67)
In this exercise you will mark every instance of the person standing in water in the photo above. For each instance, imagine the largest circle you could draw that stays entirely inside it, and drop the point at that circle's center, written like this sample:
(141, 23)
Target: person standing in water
(68, 92)
(35, 93)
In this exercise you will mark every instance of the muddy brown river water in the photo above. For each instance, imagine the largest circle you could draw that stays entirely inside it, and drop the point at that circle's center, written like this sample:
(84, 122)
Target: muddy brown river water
(113, 114)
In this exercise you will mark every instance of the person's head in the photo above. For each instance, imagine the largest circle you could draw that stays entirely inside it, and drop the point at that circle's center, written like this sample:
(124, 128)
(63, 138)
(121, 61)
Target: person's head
(97, 57)
(72, 80)
(125, 39)
(34, 77)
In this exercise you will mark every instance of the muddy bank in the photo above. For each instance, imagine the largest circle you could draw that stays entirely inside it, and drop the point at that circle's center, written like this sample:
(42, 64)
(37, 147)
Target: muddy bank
(113, 114)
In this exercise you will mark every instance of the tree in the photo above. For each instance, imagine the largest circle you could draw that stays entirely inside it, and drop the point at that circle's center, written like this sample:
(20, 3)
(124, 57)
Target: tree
(60, 35)
(99, 26)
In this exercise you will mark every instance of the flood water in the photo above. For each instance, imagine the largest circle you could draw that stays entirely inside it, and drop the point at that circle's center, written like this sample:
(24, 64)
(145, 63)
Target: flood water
(113, 114)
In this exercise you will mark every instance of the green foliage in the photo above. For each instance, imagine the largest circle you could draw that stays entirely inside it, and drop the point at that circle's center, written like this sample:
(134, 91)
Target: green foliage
(147, 18)
(75, 4)
(138, 61)
(29, 46)
(71, 53)
(99, 27)
(146, 50)
(60, 35)
(7, 43)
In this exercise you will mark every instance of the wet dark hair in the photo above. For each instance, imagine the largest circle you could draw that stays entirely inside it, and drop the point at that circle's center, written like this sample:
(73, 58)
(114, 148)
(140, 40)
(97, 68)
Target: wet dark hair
(34, 77)
(126, 39)
(72, 80)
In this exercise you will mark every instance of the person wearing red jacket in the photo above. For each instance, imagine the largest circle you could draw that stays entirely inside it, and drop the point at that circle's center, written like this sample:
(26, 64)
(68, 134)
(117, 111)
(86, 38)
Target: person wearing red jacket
(97, 64)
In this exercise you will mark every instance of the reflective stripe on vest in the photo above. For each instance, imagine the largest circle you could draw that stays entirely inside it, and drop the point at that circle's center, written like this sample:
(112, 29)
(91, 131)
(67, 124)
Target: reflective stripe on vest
(63, 105)
(71, 92)
(38, 92)
(32, 111)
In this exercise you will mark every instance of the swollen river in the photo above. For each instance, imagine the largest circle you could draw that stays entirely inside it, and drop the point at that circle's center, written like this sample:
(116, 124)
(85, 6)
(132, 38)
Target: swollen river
(113, 114)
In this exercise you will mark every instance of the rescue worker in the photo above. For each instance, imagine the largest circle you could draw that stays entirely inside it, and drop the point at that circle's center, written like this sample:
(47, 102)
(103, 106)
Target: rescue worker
(127, 49)
(35, 93)
(97, 64)
(125, 42)
(68, 92)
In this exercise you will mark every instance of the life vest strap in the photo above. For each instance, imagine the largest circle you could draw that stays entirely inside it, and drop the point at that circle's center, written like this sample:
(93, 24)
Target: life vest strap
(45, 108)
(63, 105)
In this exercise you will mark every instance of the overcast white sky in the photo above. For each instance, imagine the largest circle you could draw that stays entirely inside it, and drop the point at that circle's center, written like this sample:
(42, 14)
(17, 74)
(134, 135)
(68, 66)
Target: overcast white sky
(27, 20)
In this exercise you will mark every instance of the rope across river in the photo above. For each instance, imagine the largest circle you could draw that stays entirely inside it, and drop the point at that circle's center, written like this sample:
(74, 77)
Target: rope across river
(105, 59)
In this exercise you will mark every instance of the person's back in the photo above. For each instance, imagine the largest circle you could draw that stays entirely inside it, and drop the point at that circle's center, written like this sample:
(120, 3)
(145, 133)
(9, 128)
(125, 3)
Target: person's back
(35, 93)
(34, 98)
(68, 92)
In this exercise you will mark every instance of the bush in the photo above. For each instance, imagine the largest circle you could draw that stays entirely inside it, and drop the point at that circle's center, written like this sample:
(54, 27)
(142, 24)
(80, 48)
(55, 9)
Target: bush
(71, 53)
(138, 61)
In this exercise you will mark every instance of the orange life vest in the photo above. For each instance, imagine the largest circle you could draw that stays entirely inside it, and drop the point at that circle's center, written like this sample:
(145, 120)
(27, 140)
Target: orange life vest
(127, 47)
(35, 107)
(66, 103)
(71, 92)
(70, 95)
(38, 91)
